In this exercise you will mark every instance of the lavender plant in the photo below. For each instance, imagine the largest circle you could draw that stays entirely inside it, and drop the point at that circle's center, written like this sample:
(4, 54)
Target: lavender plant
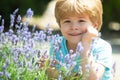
(24, 53)
(20, 49)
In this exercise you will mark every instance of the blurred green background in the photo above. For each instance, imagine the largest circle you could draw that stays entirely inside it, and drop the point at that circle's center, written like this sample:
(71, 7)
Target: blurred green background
(111, 11)
(8, 6)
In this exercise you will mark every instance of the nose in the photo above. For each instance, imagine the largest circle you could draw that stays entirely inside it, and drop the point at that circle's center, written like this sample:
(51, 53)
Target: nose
(74, 26)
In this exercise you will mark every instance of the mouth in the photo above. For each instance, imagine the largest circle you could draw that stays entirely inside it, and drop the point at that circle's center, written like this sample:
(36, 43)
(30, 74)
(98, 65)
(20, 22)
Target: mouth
(75, 34)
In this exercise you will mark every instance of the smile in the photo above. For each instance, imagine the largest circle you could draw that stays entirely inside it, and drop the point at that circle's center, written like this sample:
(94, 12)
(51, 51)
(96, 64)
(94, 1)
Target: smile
(75, 34)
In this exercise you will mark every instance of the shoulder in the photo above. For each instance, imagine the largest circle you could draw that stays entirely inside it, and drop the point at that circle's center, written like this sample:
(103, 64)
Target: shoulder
(101, 43)
(102, 46)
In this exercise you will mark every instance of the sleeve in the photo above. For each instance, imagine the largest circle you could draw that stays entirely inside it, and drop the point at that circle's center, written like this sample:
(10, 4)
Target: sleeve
(55, 45)
(104, 55)
(51, 48)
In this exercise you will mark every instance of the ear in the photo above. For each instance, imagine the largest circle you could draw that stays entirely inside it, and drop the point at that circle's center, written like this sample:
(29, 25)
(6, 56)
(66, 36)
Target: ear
(96, 25)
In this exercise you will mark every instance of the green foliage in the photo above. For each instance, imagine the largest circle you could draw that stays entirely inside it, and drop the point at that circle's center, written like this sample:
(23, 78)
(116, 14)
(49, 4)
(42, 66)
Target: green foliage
(8, 6)
(110, 13)
(16, 72)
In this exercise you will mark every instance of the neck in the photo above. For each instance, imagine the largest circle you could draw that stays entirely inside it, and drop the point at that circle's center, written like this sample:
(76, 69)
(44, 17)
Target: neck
(71, 46)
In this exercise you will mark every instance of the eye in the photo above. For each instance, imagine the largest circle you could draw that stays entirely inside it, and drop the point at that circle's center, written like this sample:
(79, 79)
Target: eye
(82, 21)
(67, 21)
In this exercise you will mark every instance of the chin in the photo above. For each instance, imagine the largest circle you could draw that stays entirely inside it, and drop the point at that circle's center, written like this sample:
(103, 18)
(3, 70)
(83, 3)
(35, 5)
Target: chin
(75, 41)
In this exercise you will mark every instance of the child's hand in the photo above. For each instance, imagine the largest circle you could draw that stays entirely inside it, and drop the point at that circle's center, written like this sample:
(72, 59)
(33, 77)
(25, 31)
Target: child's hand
(88, 36)
(42, 61)
(52, 73)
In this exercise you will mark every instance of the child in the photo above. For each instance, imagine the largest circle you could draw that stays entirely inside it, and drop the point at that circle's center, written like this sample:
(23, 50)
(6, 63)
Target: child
(80, 21)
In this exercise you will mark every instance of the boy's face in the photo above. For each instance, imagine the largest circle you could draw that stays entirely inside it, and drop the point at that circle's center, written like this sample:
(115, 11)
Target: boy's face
(74, 27)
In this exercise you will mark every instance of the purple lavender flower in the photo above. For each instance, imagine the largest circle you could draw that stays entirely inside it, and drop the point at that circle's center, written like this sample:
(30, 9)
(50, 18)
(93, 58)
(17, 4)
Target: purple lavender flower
(56, 48)
(17, 26)
(48, 38)
(59, 40)
(1, 29)
(79, 47)
(7, 62)
(71, 51)
(42, 36)
(29, 65)
(2, 22)
(20, 64)
(15, 60)
(12, 20)
(11, 31)
(61, 54)
(29, 13)
(73, 56)
(18, 19)
(87, 66)
(7, 74)
(96, 57)
(15, 40)
(67, 57)
(114, 67)
(2, 26)
(71, 64)
(80, 68)
(60, 76)
(4, 67)
(57, 45)
(49, 31)
(45, 54)
(16, 10)
(1, 74)
(0, 17)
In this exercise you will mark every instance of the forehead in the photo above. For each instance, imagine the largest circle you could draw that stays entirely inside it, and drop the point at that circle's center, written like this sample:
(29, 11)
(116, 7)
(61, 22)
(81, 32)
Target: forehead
(74, 16)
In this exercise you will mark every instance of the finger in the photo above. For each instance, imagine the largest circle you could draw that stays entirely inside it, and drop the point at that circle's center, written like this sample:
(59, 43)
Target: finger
(92, 31)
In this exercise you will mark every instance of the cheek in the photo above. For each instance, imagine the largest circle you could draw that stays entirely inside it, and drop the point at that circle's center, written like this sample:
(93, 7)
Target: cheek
(63, 31)
(83, 29)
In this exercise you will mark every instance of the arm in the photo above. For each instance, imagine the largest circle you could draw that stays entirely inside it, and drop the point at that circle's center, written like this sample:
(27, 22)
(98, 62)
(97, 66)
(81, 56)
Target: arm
(50, 70)
(96, 70)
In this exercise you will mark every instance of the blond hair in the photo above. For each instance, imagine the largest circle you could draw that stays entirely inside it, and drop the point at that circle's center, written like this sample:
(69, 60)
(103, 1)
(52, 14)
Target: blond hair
(93, 8)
